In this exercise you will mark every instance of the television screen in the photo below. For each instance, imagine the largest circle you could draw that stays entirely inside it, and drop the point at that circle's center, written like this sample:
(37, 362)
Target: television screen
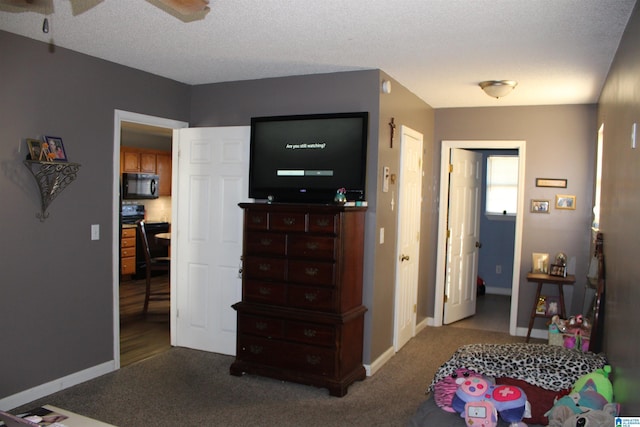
(307, 158)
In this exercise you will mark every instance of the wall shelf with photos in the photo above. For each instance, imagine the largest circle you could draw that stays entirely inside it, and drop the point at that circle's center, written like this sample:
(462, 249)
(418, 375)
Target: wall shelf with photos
(52, 172)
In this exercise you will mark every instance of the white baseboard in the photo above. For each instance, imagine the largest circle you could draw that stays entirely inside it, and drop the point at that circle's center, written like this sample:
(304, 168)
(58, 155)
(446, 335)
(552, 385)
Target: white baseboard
(26, 396)
(498, 291)
(374, 367)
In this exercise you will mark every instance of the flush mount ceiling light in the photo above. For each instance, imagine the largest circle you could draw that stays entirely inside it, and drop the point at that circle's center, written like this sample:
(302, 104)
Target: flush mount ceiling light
(498, 88)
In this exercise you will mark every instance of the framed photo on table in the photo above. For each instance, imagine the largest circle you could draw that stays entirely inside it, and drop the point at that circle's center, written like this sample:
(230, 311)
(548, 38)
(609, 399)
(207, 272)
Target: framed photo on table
(54, 149)
(540, 263)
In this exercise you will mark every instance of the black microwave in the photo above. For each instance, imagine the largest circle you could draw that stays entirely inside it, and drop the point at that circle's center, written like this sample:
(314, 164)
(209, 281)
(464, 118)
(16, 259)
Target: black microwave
(140, 186)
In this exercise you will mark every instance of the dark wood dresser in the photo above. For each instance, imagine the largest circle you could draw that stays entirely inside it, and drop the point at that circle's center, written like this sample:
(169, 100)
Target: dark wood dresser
(301, 317)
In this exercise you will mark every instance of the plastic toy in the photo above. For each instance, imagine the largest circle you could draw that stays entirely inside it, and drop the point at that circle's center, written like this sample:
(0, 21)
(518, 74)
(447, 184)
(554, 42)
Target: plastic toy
(510, 402)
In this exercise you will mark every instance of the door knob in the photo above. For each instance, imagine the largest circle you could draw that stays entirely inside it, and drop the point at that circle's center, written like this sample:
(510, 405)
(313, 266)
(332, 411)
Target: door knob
(404, 257)
(478, 245)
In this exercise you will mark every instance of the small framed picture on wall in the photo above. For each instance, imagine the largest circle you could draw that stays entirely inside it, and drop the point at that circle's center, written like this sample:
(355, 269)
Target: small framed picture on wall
(564, 201)
(540, 206)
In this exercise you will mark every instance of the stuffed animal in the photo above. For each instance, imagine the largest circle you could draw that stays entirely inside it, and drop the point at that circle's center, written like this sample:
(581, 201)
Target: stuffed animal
(594, 418)
(601, 378)
(444, 389)
(576, 403)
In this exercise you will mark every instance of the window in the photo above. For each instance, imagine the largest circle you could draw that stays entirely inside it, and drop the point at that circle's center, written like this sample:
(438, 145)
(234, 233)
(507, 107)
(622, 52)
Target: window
(502, 185)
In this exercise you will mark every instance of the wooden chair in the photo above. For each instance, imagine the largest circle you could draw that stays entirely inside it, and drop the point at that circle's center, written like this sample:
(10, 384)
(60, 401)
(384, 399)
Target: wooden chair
(152, 264)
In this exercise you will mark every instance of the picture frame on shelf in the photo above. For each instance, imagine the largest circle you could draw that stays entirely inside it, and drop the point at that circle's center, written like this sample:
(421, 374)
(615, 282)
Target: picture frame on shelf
(539, 206)
(552, 305)
(541, 306)
(565, 201)
(558, 270)
(35, 149)
(54, 150)
(540, 263)
(551, 182)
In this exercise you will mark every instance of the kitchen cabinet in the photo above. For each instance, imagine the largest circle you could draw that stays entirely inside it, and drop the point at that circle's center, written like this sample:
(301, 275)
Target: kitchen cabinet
(301, 317)
(128, 250)
(138, 160)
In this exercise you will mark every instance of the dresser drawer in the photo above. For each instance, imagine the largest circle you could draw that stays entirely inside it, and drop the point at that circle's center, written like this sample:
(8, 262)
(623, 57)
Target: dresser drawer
(311, 333)
(286, 221)
(264, 292)
(265, 244)
(311, 298)
(264, 268)
(255, 220)
(263, 326)
(323, 223)
(311, 272)
(288, 356)
(311, 247)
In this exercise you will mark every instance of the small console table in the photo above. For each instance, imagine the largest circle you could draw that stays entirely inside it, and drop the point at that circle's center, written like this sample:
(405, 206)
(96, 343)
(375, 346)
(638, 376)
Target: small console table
(541, 279)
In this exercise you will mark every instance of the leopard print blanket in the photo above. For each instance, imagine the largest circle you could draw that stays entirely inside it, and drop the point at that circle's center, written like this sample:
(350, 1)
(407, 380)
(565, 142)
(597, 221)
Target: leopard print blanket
(550, 367)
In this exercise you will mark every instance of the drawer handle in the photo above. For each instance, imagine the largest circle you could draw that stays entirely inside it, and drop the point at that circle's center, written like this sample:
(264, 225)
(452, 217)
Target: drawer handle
(261, 326)
(311, 271)
(309, 296)
(256, 219)
(256, 349)
(322, 222)
(266, 242)
(313, 359)
(289, 221)
(310, 333)
(264, 267)
(264, 290)
(312, 245)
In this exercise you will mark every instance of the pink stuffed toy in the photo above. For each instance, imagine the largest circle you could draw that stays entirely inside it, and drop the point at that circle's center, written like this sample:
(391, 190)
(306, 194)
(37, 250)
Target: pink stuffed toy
(444, 389)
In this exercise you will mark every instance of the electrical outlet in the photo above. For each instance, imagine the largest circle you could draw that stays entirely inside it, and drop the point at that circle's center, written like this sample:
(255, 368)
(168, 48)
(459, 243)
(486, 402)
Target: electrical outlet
(498, 269)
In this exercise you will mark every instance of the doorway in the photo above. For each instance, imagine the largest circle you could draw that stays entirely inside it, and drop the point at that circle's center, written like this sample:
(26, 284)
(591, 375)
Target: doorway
(143, 336)
(443, 226)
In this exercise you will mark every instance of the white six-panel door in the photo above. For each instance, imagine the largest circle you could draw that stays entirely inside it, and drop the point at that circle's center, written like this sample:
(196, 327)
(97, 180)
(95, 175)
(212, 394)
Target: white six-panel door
(464, 237)
(212, 178)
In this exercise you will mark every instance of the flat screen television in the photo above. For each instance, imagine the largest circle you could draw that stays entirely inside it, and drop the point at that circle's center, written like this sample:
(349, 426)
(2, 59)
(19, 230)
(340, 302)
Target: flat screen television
(307, 158)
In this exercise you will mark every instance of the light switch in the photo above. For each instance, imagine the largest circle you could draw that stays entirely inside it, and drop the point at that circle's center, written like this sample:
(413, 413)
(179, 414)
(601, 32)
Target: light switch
(381, 235)
(95, 231)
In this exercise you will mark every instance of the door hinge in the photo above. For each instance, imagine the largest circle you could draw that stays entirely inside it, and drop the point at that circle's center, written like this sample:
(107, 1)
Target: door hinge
(450, 168)
(415, 308)
(448, 233)
(446, 298)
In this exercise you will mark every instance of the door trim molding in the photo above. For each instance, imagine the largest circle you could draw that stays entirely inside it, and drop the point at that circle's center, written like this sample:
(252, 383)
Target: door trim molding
(446, 147)
(120, 116)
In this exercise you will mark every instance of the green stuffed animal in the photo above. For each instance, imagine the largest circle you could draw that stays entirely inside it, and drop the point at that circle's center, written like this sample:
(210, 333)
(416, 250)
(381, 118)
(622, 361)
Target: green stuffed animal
(601, 379)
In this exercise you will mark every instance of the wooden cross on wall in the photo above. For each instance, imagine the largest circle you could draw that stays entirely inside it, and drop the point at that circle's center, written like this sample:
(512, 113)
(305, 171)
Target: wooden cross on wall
(392, 125)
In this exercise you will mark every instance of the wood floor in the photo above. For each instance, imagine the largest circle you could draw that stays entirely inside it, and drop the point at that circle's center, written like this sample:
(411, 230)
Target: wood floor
(143, 336)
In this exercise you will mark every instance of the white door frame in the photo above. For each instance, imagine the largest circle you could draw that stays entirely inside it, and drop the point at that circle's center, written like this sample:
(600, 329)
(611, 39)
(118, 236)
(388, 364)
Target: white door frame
(119, 117)
(442, 223)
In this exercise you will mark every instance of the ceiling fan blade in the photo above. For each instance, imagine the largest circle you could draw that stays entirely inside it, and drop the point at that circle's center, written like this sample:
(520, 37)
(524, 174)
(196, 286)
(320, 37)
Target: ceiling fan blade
(81, 6)
(44, 7)
(187, 7)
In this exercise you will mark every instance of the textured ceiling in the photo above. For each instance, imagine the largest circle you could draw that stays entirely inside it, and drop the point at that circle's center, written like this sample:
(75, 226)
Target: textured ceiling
(559, 51)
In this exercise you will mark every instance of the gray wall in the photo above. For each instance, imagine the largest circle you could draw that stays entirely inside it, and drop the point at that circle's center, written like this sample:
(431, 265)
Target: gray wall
(56, 284)
(619, 108)
(561, 143)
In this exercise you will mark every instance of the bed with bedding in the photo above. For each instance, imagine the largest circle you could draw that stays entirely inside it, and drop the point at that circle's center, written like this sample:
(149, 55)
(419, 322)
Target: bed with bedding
(543, 372)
